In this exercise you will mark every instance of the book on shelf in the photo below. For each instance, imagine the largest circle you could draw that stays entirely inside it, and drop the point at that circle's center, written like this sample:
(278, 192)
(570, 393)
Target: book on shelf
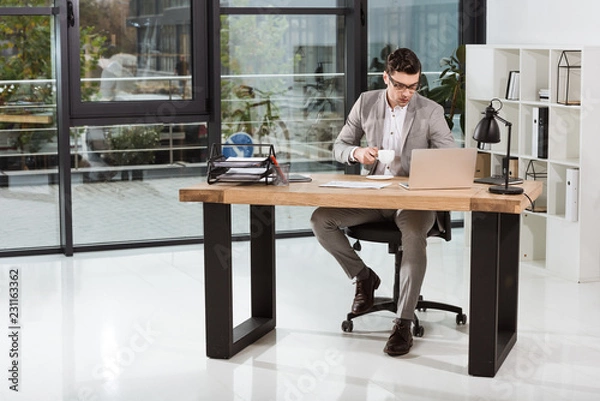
(512, 86)
(539, 132)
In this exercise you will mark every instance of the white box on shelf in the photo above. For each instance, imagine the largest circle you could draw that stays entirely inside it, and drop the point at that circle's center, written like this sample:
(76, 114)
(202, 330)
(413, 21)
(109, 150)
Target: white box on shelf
(572, 195)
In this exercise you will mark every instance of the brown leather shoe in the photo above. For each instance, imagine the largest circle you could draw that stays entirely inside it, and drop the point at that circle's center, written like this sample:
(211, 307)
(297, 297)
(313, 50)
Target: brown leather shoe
(400, 341)
(364, 296)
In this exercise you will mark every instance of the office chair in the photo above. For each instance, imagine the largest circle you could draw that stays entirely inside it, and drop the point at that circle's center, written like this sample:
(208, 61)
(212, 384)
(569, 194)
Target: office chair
(387, 232)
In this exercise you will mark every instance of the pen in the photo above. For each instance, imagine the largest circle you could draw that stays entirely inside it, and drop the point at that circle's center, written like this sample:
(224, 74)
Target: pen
(279, 172)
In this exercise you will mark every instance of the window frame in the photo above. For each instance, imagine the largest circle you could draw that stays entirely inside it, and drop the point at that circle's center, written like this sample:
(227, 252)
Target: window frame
(146, 111)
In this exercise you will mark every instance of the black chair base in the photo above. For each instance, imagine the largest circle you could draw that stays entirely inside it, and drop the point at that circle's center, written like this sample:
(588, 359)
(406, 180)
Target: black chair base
(379, 304)
(391, 305)
(387, 232)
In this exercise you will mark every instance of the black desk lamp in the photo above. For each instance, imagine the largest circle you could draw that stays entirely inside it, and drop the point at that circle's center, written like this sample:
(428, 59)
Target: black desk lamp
(487, 131)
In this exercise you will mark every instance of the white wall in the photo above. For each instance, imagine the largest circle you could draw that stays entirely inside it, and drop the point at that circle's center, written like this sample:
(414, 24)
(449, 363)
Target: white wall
(543, 22)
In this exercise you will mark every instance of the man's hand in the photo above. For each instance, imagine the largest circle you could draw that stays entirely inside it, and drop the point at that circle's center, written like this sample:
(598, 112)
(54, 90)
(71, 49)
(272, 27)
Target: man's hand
(366, 155)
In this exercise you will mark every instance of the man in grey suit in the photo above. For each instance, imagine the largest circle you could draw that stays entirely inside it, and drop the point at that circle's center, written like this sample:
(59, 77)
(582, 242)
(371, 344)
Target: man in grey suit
(397, 118)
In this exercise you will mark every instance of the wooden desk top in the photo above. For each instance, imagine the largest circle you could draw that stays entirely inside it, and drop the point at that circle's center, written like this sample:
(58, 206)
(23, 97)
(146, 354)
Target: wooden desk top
(477, 198)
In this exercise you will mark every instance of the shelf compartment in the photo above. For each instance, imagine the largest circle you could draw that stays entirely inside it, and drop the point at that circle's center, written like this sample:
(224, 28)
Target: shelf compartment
(563, 249)
(527, 130)
(488, 69)
(564, 133)
(533, 237)
(505, 61)
(534, 169)
(535, 73)
(557, 190)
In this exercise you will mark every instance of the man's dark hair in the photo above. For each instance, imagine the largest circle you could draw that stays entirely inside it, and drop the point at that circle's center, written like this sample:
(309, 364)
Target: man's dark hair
(403, 60)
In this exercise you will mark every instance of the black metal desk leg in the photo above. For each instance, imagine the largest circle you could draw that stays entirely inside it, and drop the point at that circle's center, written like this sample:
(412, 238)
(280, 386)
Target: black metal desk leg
(218, 280)
(494, 290)
(222, 339)
(262, 261)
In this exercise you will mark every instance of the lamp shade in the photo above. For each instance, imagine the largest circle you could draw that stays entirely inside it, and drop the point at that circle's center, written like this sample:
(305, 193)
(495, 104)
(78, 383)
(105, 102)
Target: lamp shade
(487, 131)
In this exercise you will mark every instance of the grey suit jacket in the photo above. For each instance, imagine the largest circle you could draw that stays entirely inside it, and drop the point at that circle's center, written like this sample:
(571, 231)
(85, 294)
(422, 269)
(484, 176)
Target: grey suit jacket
(424, 127)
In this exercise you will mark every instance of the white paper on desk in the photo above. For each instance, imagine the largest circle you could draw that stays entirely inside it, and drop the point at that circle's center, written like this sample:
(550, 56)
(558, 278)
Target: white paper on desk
(245, 159)
(248, 170)
(355, 184)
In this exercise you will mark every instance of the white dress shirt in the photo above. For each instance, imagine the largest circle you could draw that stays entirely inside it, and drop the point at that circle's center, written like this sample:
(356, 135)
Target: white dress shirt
(392, 134)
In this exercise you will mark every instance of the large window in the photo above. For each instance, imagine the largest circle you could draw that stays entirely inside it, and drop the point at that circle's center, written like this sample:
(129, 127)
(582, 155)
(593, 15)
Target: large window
(125, 183)
(106, 111)
(283, 83)
(430, 28)
(139, 58)
(139, 112)
(28, 134)
(136, 128)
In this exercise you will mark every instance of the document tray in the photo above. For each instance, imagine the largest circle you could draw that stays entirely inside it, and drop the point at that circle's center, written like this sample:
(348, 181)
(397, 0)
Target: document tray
(241, 169)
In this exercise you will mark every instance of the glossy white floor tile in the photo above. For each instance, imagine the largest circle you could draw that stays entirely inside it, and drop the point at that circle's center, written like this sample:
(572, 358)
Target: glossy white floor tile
(129, 325)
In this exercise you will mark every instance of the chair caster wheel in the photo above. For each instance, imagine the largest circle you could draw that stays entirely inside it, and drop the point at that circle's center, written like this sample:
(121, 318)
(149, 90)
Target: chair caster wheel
(461, 319)
(418, 331)
(347, 326)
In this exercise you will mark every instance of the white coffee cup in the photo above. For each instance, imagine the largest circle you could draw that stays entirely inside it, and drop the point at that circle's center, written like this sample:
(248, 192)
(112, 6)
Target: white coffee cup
(386, 156)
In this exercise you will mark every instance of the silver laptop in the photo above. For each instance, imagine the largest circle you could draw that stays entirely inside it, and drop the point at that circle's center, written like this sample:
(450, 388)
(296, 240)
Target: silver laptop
(452, 168)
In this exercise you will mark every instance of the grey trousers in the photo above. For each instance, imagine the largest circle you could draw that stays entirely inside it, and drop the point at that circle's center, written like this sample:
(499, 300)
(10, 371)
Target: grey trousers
(327, 224)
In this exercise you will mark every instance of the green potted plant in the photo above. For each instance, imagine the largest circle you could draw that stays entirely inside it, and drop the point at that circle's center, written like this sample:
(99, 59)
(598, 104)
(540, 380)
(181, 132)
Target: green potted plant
(451, 91)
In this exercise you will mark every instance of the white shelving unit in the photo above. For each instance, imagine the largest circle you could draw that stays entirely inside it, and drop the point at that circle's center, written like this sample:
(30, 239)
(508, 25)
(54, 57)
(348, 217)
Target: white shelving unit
(570, 249)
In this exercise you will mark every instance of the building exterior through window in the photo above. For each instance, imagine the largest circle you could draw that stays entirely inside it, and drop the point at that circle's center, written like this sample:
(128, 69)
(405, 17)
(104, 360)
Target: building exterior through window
(140, 122)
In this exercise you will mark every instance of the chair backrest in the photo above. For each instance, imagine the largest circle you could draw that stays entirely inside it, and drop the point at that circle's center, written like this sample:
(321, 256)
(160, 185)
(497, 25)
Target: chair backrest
(387, 231)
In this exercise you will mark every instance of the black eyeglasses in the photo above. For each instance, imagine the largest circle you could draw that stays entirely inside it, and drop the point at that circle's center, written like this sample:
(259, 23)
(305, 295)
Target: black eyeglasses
(400, 87)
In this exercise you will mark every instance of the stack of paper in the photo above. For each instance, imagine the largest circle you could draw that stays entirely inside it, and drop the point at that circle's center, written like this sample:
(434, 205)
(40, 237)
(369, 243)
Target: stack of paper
(355, 184)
